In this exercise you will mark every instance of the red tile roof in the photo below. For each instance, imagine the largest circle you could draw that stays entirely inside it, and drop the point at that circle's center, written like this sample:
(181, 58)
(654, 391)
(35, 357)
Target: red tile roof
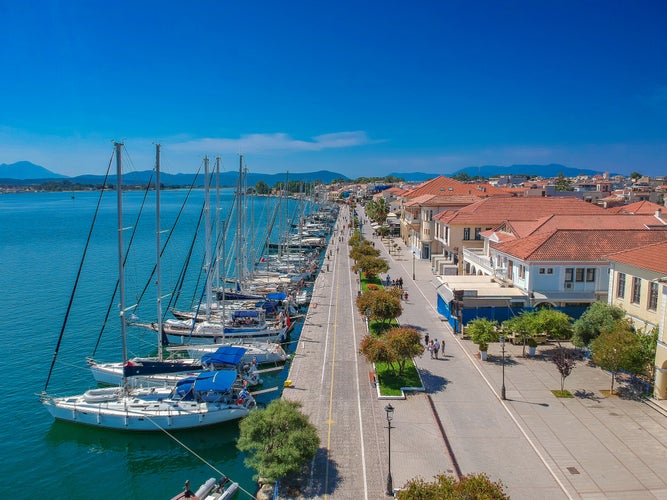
(432, 200)
(446, 186)
(576, 245)
(495, 210)
(650, 257)
(640, 207)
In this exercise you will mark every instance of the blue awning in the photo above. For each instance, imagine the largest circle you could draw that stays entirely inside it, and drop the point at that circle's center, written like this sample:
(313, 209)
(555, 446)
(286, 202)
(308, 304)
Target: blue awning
(216, 381)
(228, 355)
(276, 296)
(245, 314)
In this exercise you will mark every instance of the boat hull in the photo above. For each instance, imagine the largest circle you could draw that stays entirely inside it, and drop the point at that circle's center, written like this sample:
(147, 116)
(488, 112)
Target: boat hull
(126, 414)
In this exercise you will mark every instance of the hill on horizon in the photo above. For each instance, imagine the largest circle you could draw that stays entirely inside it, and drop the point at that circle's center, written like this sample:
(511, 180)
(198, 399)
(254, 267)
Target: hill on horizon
(24, 170)
(550, 170)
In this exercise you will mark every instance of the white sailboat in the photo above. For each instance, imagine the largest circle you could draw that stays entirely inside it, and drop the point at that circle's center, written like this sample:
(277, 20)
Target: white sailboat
(205, 399)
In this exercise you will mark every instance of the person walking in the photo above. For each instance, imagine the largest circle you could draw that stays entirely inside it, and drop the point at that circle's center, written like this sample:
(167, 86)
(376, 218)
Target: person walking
(442, 347)
(426, 337)
(436, 348)
(430, 349)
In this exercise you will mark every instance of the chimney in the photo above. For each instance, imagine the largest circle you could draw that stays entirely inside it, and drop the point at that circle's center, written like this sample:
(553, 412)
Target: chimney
(658, 213)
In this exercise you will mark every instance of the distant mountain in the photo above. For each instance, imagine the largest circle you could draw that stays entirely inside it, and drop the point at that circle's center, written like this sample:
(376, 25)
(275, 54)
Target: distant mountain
(26, 173)
(227, 179)
(551, 170)
(414, 176)
(26, 170)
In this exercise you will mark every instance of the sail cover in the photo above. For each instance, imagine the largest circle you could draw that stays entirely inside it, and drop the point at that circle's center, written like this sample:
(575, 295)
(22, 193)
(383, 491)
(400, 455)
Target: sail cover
(216, 381)
(228, 355)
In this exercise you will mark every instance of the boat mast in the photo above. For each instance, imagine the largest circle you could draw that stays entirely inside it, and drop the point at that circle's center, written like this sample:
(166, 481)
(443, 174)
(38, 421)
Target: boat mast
(207, 232)
(239, 219)
(121, 270)
(216, 225)
(158, 248)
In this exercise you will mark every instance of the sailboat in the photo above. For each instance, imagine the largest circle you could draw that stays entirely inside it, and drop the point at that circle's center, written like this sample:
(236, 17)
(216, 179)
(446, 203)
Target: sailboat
(205, 399)
(112, 373)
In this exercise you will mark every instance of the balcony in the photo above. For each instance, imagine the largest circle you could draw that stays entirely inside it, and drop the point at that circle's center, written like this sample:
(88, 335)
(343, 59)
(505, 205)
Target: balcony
(476, 258)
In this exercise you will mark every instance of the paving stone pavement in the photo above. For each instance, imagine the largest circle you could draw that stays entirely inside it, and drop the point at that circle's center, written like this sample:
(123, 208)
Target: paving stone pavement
(538, 445)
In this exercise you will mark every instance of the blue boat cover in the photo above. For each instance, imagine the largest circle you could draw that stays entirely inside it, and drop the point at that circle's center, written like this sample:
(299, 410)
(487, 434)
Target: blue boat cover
(216, 381)
(228, 355)
(276, 296)
(245, 314)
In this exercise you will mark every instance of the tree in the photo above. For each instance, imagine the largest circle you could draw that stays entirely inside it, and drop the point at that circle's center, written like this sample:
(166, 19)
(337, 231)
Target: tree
(635, 176)
(363, 249)
(383, 305)
(370, 266)
(445, 487)
(525, 326)
(374, 349)
(565, 363)
(403, 344)
(616, 348)
(482, 331)
(563, 183)
(648, 342)
(279, 440)
(598, 317)
(262, 187)
(555, 324)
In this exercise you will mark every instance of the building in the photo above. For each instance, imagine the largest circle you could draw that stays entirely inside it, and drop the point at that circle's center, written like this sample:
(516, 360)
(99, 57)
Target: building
(638, 284)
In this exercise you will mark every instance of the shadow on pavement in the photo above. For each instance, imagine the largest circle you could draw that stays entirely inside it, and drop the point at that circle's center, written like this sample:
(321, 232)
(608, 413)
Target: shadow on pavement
(433, 383)
(584, 394)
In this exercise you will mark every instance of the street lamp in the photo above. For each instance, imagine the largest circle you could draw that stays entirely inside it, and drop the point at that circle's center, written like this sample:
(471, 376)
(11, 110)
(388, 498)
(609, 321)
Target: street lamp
(390, 413)
(502, 389)
(413, 256)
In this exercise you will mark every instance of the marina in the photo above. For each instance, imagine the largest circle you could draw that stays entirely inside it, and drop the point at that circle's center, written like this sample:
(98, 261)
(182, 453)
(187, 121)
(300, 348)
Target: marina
(58, 222)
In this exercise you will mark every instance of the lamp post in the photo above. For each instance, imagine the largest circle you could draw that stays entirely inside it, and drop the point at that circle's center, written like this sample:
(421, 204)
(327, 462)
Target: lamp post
(413, 256)
(502, 389)
(390, 413)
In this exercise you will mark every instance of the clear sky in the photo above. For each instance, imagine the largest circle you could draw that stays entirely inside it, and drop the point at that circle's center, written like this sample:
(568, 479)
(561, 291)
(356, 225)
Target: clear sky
(362, 88)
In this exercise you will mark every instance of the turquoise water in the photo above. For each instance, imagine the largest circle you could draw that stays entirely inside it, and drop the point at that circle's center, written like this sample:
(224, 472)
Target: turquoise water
(42, 238)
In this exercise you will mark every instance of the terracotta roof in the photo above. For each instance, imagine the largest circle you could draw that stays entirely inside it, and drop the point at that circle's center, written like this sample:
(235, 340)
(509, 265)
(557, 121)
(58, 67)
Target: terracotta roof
(640, 207)
(608, 221)
(495, 210)
(650, 257)
(576, 245)
(432, 200)
(446, 186)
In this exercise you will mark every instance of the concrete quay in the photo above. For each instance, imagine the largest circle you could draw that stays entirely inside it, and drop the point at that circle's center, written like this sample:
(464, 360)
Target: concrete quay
(538, 445)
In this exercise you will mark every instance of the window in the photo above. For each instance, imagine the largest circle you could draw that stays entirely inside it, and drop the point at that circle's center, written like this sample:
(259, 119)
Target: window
(541, 270)
(550, 270)
(652, 297)
(620, 288)
(466, 233)
(478, 233)
(590, 275)
(636, 290)
(580, 275)
(569, 271)
(522, 271)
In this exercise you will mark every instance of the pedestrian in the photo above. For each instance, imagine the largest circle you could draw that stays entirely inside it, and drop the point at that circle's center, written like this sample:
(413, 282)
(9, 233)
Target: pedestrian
(436, 348)
(442, 347)
(430, 348)
(426, 337)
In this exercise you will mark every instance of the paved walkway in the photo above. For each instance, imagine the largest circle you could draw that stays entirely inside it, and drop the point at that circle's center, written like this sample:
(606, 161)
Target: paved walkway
(539, 446)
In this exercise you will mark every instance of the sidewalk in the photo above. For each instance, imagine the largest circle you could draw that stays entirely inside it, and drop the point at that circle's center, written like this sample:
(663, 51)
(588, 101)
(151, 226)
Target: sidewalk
(538, 445)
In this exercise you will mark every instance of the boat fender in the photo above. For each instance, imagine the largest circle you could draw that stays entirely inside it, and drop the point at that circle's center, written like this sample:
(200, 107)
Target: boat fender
(206, 488)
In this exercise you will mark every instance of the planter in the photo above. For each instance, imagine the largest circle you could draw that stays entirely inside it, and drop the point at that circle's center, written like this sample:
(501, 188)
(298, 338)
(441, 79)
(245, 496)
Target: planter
(531, 351)
(482, 355)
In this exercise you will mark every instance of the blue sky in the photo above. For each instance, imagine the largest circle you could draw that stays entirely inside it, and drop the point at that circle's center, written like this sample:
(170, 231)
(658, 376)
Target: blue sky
(361, 88)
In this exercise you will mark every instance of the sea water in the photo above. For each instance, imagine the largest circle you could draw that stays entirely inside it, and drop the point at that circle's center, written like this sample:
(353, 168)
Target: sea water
(42, 240)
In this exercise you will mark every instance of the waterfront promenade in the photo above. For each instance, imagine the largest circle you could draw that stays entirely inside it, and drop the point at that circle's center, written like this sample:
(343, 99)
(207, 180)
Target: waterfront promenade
(539, 446)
